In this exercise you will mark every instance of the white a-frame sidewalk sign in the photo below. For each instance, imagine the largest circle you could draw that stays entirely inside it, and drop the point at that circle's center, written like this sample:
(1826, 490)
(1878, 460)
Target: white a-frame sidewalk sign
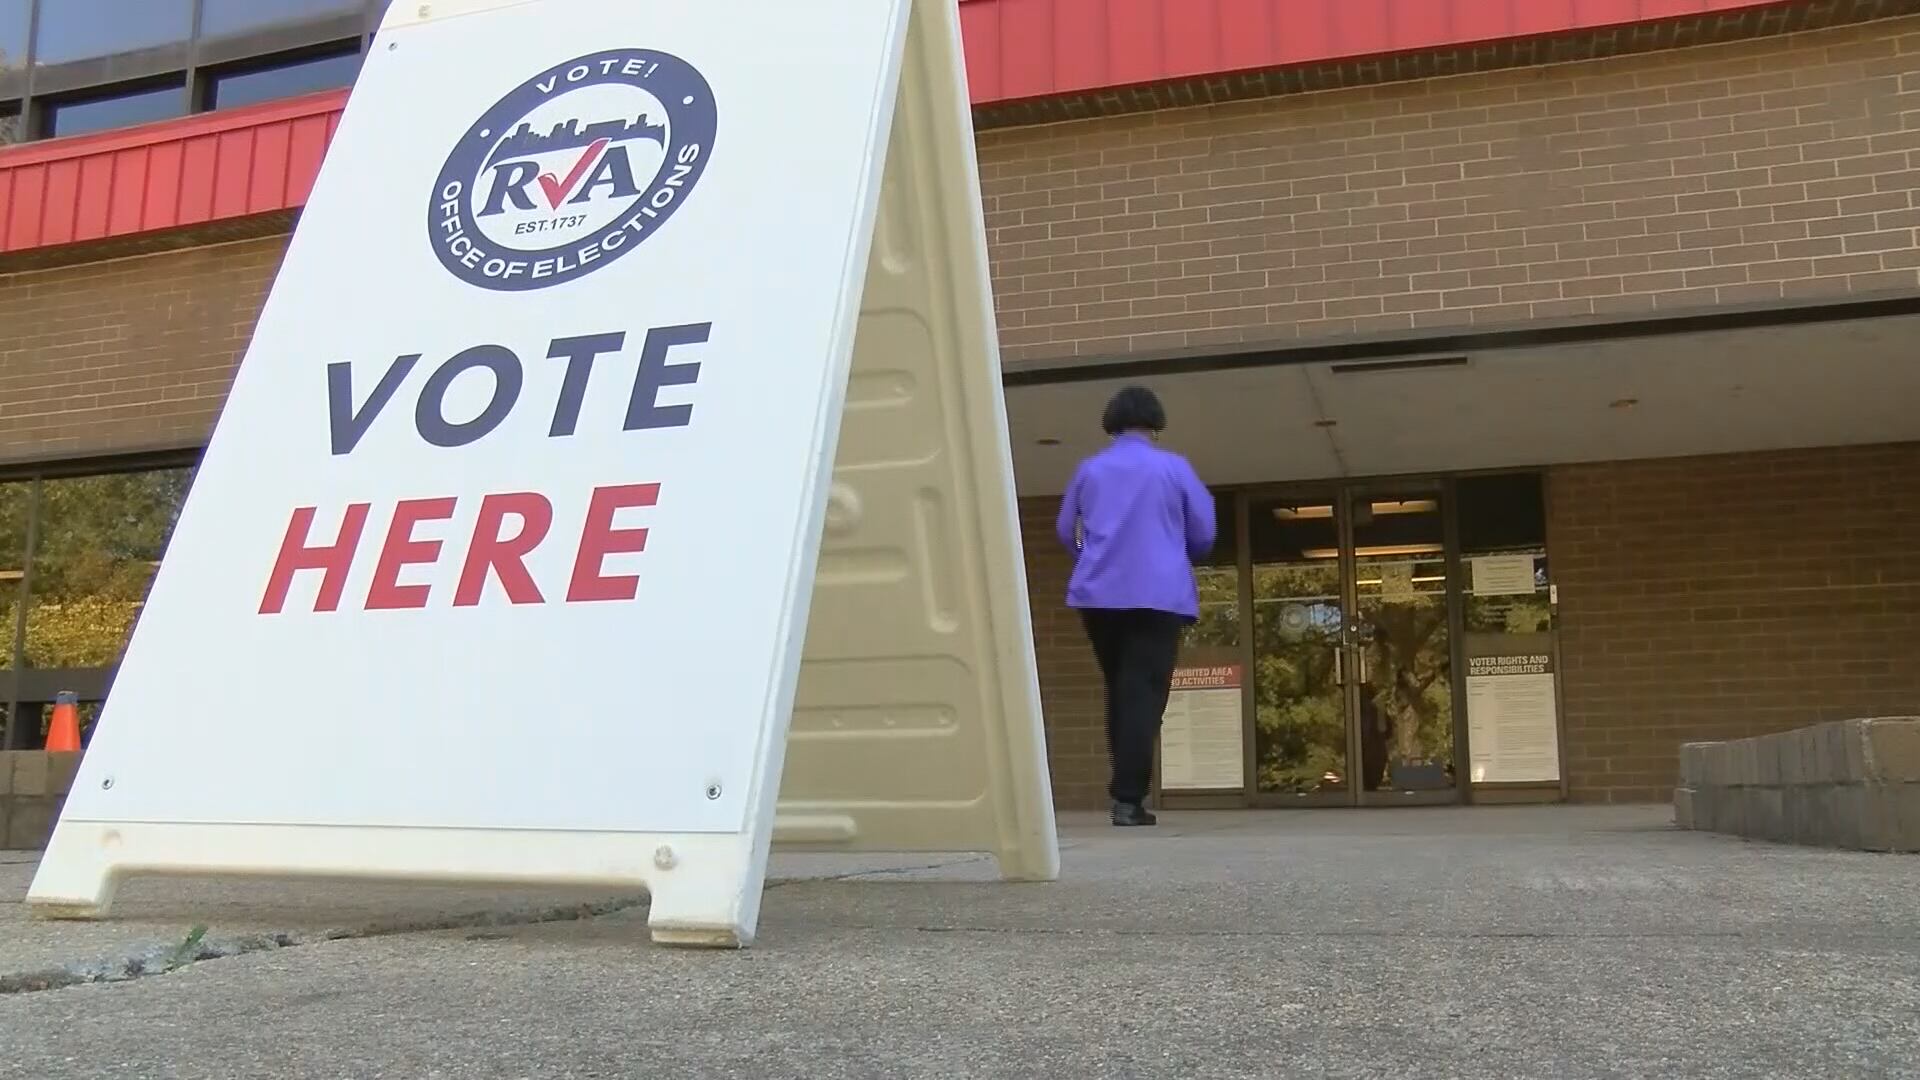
(621, 452)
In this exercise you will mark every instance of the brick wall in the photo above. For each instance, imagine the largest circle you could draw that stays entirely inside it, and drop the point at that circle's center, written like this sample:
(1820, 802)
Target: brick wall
(1070, 694)
(1769, 169)
(1675, 31)
(1712, 598)
(126, 355)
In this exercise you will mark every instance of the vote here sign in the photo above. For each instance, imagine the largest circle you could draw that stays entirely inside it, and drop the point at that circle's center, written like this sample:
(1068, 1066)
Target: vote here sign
(510, 519)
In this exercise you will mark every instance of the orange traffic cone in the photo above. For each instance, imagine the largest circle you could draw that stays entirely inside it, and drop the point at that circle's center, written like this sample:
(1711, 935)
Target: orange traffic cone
(63, 736)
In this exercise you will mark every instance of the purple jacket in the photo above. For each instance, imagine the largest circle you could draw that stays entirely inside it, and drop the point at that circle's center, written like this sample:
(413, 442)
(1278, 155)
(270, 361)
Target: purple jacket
(1138, 518)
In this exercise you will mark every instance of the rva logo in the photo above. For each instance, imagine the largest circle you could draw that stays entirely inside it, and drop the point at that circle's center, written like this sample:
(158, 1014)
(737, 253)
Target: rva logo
(572, 169)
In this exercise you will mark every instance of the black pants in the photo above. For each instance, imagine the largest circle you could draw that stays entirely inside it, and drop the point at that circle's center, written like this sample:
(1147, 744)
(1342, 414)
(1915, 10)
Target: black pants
(1136, 650)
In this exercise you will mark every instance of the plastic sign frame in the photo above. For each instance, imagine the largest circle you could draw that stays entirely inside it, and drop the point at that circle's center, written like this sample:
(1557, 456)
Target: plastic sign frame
(743, 369)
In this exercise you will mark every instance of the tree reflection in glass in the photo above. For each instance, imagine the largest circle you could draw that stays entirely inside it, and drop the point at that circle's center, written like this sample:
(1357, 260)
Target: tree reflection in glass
(1300, 734)
(1406, 692)
(100, 541)
(16, 506)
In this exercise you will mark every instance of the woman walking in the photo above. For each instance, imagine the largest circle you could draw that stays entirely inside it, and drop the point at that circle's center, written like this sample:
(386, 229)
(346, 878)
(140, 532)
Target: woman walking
(1136, 519)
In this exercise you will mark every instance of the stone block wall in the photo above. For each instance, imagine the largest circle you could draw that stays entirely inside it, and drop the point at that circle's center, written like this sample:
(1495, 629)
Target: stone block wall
(33, 787)
(1851, 784)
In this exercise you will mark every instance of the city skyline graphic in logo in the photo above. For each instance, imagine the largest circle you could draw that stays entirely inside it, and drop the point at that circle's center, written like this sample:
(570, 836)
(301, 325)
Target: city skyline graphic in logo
(572, 170)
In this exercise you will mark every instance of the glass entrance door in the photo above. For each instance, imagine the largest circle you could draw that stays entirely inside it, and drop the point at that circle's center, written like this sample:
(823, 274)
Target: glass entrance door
(1301, 745)
(1351, 689)
(1401, 640)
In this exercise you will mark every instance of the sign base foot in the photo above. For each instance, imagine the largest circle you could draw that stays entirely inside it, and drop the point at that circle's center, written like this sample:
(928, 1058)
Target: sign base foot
(694, 937)
(1028, 864)
(704, 888)
(73, 883)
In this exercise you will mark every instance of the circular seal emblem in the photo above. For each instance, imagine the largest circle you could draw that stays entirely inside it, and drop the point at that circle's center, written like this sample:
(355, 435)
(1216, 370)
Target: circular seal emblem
(1294, 622)
(572, 169)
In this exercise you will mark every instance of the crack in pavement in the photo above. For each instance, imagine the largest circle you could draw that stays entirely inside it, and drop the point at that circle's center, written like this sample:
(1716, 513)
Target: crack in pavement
(163, 958)
(888, 871)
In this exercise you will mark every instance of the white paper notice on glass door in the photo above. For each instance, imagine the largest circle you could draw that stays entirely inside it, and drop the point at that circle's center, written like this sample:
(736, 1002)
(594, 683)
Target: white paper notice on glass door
(1503, 575)
(1513, 727)
(1200, 733)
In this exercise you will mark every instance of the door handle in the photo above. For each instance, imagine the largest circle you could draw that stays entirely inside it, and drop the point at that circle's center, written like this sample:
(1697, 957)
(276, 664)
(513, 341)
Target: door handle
(1339, 665)
(1366, 669)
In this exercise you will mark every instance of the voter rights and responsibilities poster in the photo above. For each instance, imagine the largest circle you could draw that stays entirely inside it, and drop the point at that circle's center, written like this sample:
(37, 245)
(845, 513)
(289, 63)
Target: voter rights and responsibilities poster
(1513, 720)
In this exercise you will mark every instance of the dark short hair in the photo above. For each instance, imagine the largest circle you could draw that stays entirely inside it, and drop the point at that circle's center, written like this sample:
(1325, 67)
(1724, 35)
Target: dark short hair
(1134, 408)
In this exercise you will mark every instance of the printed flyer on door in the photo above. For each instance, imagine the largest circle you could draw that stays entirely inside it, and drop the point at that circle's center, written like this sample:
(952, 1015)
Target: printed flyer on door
(1200, 735)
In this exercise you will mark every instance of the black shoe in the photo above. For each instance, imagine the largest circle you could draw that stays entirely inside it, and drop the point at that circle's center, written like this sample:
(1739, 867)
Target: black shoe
(1129, 814)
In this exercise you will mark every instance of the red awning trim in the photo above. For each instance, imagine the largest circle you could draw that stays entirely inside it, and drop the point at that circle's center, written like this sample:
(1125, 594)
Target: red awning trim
(1020, 49)
(191, 171)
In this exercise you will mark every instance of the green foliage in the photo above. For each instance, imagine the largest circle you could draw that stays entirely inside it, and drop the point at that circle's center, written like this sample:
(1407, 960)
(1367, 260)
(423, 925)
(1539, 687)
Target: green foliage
(87, 632)
(188, 950)
(9, 613)
(99, 540)
(1409, 664)
(1509, 614)
(16, 505)
(1300, 714)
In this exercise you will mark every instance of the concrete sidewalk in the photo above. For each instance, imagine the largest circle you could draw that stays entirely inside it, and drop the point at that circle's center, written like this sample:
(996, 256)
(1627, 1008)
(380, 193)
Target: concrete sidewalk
(1565, 942)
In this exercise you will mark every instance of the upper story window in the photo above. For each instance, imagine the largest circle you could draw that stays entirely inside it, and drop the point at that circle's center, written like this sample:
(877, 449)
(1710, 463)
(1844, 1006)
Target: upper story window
(73, 30)
(69, 67)
(221, 17)
(256, 83)
(15, 18)
(85, 115)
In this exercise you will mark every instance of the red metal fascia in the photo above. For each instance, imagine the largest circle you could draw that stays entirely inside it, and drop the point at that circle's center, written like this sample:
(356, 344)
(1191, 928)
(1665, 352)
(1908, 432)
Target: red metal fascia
(203, 168)
(224, 165)
(1022, 49)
